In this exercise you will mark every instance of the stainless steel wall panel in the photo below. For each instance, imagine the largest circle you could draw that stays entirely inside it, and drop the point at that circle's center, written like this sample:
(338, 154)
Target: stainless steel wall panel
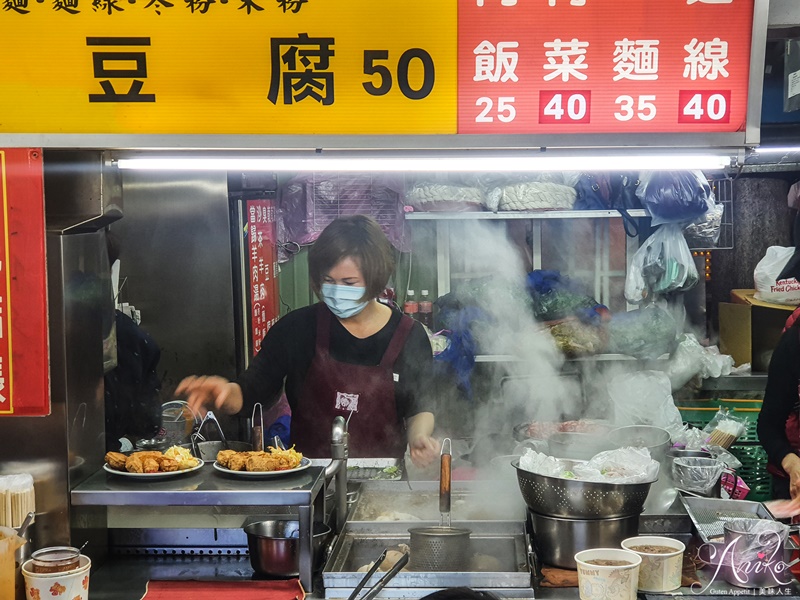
(176, 265)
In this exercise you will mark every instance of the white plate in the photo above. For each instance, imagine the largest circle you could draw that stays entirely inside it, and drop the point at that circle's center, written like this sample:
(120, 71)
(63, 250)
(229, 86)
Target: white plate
(157, 475)
(304, 464)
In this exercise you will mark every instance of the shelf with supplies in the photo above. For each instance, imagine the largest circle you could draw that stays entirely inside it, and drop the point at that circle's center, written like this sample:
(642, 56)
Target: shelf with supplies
(528, 215)
(605, 357)
(598, 272)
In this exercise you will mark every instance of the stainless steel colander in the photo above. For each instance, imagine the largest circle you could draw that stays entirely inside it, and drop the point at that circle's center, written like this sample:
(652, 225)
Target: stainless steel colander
(572, 499)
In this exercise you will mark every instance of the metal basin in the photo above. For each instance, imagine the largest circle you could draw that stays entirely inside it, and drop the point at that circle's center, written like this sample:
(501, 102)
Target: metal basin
(274, 546)
(578, 446)
(655, 439)
(572, 499)
(558, 540)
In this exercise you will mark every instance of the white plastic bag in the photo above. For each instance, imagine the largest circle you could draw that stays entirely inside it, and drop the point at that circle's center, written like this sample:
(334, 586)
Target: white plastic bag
(661, 265)
(768, 289)
(644, 398)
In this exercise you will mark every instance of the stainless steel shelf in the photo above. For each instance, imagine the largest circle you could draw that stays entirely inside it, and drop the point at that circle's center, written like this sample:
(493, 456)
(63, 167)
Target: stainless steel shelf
(498, 358)
(504, 215)
(209, 487)
(742, 383)
(205, 487)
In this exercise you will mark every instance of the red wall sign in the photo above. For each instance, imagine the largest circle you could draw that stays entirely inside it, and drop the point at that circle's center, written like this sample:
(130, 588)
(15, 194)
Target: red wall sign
(24, 370)
(603, 66)
(263, 269)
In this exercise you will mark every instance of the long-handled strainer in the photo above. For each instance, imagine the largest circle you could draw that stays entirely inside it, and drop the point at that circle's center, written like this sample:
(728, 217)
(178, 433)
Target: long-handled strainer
(442, 548)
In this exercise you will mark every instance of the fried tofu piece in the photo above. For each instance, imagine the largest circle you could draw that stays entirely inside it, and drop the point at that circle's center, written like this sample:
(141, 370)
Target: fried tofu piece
(224, 457)
(238, 462)
(168, 465)
(134, 464)
(116, 460)
(147, 454)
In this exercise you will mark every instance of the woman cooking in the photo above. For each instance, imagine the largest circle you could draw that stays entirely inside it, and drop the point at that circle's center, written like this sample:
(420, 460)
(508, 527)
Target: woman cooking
(779, 419)
(348, 355)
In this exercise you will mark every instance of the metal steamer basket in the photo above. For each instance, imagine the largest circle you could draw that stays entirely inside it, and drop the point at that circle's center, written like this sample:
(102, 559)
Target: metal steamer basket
(440, 548)
(572, 499)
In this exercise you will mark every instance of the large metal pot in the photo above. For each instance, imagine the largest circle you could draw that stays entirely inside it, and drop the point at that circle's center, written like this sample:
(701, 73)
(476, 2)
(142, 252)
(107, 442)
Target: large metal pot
(558, 540)
(655, 439)
(573, 499)
(274, 545)
(574, 445)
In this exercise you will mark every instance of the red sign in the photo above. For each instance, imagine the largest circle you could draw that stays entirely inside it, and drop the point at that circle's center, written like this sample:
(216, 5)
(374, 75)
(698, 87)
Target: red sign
(24, 375)
(603, 66)
(263, 269)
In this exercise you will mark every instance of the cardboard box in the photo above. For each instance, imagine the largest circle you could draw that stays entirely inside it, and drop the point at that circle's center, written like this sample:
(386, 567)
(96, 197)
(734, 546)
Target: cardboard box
(749, 329)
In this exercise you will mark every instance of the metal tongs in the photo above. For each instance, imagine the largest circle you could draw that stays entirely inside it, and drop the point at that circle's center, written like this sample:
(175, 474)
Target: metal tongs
(376, 589)
(257, 437)
(198, 437)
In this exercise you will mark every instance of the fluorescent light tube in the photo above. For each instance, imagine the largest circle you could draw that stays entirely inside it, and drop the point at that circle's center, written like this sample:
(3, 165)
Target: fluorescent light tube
(423, 163)
(777, 149)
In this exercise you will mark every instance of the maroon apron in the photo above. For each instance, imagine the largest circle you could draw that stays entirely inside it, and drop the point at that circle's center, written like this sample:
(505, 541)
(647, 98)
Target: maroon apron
(334, 388)
(792, 432)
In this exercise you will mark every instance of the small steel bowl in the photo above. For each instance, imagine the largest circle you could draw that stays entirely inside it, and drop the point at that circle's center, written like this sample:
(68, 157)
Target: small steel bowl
(274, 546)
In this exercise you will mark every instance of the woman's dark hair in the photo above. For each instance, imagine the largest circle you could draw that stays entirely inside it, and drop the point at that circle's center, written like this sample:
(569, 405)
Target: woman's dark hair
(357, 237)
(460, 593)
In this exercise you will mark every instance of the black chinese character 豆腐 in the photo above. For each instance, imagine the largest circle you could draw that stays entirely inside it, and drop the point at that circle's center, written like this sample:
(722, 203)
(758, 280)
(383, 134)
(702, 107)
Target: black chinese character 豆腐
(105, 73)
(302, 66)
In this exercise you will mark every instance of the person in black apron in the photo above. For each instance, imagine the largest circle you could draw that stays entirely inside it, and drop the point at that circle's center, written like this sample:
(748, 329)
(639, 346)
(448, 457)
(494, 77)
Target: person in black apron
(347, 355)
(779, 419)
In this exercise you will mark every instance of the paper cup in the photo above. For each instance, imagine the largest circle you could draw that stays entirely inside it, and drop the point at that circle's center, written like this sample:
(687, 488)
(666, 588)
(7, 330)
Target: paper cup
(72, 584)
(607, 582)
(659, 572)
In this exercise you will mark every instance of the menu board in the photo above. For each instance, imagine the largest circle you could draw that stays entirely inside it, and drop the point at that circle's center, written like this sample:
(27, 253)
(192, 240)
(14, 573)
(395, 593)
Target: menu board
(584, 66)
(262, 273)
(368, 67)
(24, 374)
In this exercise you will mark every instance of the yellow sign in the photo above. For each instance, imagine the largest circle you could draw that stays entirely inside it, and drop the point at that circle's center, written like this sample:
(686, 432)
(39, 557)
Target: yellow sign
(228, 66)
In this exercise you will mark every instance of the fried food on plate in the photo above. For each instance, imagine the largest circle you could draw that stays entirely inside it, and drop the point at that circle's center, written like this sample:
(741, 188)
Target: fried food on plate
(134, 464)
(224, 457)
(116, 460)
(274, 460)
(173, 460)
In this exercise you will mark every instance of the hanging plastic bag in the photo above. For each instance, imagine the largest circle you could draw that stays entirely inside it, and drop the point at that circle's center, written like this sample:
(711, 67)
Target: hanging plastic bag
(768, 287)
(662, 265)
(646, 333)
(705, 232)
(674, 196)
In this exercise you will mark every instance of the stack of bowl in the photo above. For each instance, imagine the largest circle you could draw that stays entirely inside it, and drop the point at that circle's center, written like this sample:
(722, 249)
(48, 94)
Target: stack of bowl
(568, 515)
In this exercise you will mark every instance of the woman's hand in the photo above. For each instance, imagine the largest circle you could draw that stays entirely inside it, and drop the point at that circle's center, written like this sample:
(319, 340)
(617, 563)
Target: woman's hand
(791, 464)
(421, 446)
(423, 450)
(211, 393)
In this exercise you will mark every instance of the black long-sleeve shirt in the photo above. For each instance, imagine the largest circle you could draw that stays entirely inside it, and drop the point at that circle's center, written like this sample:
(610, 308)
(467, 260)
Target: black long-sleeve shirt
(289, 346)
(781, 396)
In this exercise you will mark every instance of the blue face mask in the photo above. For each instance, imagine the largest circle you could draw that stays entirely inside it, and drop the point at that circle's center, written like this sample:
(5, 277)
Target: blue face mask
(343, 300)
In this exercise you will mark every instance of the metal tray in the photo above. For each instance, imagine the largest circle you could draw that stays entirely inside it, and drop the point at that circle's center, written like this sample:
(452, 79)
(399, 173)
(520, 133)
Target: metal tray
(419, 501)
(504, 544)
(710, 514)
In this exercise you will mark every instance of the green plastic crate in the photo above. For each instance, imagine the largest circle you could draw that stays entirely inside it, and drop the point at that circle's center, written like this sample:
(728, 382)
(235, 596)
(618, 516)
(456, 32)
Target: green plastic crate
(753, 470)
